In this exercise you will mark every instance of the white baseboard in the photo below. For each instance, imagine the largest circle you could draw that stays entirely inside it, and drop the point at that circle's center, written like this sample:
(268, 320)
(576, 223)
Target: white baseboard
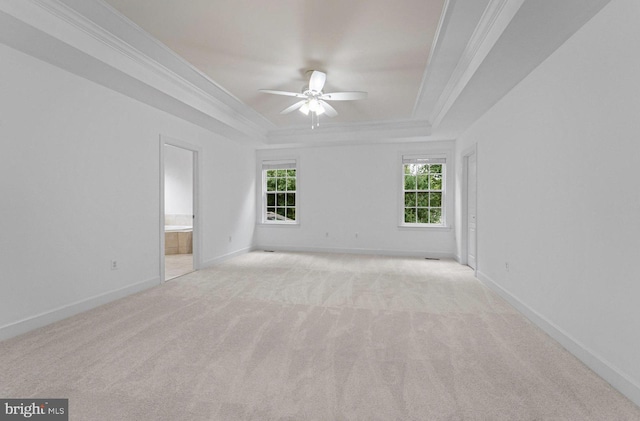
(591, 359)
(377, 252)
(227, 256)
(57, 314)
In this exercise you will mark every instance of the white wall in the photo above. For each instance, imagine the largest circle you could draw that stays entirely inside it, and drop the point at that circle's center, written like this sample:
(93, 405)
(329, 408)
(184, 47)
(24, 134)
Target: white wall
(344, 190)
(79, 178)
(178, 181)
(559, 198)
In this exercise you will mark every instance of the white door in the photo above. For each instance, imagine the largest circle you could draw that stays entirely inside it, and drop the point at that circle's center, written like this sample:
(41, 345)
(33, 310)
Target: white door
(471, 210)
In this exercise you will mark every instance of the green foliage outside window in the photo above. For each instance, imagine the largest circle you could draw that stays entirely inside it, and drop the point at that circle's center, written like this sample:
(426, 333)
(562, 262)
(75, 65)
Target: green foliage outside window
(281, 195)
(423, 194)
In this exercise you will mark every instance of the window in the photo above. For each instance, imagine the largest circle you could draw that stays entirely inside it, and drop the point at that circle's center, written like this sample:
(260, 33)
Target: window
(423, 190)
(279, 191)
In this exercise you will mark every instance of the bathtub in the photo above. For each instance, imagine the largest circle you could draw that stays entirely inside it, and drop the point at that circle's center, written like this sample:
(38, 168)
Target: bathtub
(178, 239)
(178, 228)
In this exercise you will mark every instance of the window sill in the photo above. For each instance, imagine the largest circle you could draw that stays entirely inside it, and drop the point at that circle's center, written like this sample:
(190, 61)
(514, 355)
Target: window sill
(420, 227)
(279, 224)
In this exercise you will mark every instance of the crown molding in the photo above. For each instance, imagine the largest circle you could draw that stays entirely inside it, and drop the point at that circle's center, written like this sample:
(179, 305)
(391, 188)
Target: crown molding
(436, 48)
(369, 132)
(113, 40)
(495, 19)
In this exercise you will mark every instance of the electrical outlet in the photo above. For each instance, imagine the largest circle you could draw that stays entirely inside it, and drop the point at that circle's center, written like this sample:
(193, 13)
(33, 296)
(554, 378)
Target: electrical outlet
(506, 266)
(114, 265)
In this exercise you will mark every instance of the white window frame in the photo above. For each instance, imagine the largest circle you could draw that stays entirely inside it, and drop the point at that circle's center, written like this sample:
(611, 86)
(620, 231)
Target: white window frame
(425, 158)
(271, 165)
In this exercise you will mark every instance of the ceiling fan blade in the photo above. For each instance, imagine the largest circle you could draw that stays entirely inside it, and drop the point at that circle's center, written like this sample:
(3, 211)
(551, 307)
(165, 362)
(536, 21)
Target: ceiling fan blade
(317, 80)
(328, 109)
(269, 91)
(293, 107)
(344, 96)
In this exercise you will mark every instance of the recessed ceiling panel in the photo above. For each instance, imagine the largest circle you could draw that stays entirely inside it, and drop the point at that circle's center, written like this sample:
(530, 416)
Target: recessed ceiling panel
(377, 46)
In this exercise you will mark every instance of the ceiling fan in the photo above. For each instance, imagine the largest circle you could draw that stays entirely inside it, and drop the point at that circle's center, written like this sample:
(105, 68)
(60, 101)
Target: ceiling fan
(313, 100)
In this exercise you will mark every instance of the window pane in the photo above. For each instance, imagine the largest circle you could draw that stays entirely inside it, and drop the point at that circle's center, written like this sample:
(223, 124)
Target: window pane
(409, 182)
(423, 199)
(271, 184)
(280, 193)
(436, 182)
(409, 215)
(423, 216)
(409, 199)
(271, 214)
(271, 199)
(423, 182)
(291, 184)
(435, 215)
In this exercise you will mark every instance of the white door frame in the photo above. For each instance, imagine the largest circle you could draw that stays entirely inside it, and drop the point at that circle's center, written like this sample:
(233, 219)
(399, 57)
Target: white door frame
(197, 238)
(464, 229)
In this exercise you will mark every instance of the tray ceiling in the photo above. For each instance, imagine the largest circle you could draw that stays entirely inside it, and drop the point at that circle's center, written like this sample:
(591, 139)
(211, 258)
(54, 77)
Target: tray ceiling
(377, 46)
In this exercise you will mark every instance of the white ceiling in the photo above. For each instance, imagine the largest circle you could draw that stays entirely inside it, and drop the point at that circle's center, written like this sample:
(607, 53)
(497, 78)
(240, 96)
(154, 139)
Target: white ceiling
(431, 67)
(376, 46)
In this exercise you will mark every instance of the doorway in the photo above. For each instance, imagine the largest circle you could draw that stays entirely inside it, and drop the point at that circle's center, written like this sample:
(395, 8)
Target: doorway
(471, 210)
(179, 227)
(469, 240)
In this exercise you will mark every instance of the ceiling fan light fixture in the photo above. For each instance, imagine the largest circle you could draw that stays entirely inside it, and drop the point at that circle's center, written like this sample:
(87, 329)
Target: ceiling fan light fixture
(313, 99)
(313, 105)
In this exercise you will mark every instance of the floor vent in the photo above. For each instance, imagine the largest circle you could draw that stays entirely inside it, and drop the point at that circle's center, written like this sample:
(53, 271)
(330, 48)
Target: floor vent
(268, 251)
(431, 258)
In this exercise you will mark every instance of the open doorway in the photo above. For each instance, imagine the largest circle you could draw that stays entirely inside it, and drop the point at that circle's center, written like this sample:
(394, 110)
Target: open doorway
(178, 208)
(469, 241)
(471, 210)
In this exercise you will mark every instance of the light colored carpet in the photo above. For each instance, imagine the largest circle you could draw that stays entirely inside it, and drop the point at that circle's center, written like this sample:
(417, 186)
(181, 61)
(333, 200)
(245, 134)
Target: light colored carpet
(177, 265)
(296, 336)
